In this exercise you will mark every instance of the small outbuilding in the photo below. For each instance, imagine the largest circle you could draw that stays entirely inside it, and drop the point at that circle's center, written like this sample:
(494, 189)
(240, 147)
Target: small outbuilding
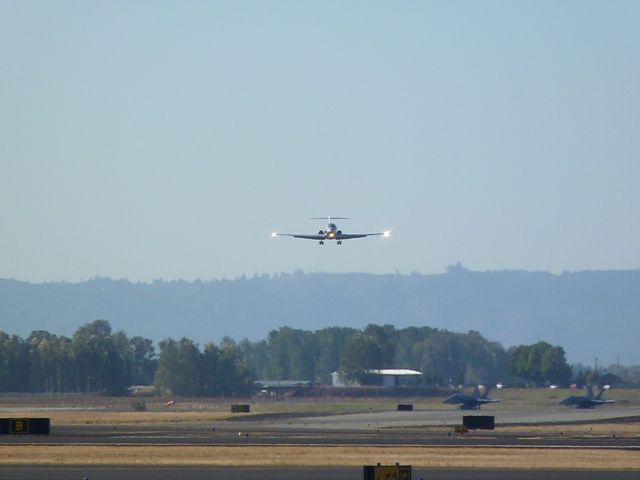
(283, 387)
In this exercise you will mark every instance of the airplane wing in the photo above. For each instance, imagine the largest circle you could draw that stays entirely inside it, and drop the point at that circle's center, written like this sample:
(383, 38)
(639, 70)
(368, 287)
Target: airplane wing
(296, 235)
(340, 236)
(488, 400)
(347, 236)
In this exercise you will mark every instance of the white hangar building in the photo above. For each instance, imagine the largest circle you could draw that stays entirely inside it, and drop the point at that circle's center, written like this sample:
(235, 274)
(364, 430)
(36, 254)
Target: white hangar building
(391, 377)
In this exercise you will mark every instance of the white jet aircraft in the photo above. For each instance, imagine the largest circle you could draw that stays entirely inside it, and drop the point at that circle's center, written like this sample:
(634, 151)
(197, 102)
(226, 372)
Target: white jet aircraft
(331, 232)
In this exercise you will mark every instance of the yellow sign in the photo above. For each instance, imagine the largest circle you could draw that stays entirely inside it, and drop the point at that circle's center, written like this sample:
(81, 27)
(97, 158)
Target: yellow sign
(19, 425)
(395, 472)
(387, 473)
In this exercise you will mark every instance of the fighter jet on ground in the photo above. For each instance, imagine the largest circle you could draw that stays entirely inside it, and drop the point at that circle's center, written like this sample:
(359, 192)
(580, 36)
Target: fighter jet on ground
(471, 402)
(580, 401)
(331, 232)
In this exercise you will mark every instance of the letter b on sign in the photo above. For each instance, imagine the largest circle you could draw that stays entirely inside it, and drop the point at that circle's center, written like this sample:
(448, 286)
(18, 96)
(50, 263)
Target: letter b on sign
(19, 425)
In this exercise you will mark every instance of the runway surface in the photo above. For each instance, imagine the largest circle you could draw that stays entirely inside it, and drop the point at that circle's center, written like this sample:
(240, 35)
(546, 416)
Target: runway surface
(503, 416)
(208, 473)
(426, 428)
(390, 428)
(225, 436)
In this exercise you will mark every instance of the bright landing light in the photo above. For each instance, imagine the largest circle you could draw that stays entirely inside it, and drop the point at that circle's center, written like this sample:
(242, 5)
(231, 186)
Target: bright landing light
(274, 234)
(386, 234)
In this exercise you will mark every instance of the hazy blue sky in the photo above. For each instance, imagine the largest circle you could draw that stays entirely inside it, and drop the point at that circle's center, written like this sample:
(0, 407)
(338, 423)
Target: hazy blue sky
(149, 139)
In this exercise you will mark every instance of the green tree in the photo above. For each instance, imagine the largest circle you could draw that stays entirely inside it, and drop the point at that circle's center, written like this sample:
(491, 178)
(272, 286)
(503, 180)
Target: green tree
(212, 369)
(101, 367)
(64, 365)
(14, 364)
(293, 354)
(331, 342)
(256, 358)
(539, 363)
(143, 361)
(361, 354)
(41, 361)
(385, 336)
(180, 370)
(234, 377)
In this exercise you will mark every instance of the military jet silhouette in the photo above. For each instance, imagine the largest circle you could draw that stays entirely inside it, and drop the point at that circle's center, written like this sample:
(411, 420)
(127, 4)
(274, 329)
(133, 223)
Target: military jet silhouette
(580, 401)
(471, 402)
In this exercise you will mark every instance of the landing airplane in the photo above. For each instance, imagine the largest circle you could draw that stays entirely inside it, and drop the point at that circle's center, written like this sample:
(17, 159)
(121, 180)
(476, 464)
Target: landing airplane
(580, 401)
(331, 232)
(470, 402)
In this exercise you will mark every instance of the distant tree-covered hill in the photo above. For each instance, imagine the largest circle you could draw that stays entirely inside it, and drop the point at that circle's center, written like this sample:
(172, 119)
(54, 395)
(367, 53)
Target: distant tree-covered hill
(591, 314)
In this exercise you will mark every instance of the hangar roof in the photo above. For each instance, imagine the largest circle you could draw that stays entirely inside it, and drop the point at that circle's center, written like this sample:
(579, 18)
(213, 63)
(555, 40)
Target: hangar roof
(394, 371)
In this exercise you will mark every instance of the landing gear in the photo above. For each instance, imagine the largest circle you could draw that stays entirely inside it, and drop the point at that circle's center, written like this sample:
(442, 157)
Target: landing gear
(321, 242)
(339, 242)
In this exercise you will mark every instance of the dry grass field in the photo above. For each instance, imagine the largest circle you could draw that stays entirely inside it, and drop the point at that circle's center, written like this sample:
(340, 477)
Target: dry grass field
(249, 455)
(84, 417)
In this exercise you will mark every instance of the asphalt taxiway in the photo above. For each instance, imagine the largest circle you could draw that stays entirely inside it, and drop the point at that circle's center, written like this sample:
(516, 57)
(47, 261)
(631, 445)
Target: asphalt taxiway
(228, 435)
(314, 473)
(416, 418)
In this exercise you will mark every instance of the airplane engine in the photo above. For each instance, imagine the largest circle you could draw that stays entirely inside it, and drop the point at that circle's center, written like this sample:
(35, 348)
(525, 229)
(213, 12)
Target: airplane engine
(320, 232)
(339, 232)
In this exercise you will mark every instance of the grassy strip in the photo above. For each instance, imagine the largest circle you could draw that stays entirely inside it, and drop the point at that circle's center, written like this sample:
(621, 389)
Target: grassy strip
(516, 398)
(577, 429)
(300, 456)
(130, 418)
(513, 398)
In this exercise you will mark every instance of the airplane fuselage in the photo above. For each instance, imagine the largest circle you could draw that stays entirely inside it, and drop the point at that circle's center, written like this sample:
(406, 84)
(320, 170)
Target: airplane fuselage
(330, 232)
(469, 402)
(583, 402)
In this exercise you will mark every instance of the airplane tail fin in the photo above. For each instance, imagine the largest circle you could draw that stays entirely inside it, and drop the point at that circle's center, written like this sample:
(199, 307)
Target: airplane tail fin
(601, 392)
(486, 392)
(590, 392)
(329, 218)
(476, 392)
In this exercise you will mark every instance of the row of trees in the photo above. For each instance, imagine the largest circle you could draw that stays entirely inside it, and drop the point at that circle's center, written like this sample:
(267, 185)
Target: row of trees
(217, 370)
(96, 359)
(444, 357)
(539, 363)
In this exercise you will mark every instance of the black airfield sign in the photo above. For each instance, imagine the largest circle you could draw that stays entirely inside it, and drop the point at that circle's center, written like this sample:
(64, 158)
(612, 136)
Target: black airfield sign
(25, 426)
(479, 422)
(386, 472)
